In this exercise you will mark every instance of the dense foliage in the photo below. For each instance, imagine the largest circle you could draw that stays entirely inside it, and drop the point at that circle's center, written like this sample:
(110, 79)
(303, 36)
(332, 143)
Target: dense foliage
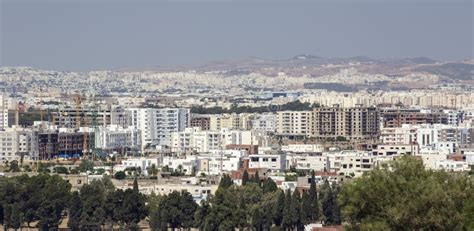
(399, 195)
(41, 199)
(403, 195)
(256, 205)
(291, 106)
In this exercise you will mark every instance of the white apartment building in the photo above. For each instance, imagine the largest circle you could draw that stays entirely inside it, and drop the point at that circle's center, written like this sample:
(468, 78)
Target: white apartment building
(15, 142)
(230, 121)
(195, 140)
(6, 103)
(115, 137)
(405, 134)
(302, 148)
(143, 163)
(219, 162)
(294, 123)
(396, 149)
(272, 162)
(308, 162)
(265, 123)
(186, 164)
(353, 163)
(156, 125)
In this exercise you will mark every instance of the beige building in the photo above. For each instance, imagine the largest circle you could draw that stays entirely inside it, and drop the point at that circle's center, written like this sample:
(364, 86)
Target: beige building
(294, 123)
(353, 123)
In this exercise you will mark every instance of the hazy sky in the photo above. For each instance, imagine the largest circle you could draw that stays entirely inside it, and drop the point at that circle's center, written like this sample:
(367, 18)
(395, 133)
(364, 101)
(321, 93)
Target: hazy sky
(106, 34)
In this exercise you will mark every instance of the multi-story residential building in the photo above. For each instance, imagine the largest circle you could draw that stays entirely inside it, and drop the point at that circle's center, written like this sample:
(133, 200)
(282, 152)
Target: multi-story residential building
(265, 123)
(294, 123)
(355, 123)
(222, 161)
(230, 121)
(117, 138)
(397, 117)
(74, 144)
(65, 143)
(17, 143)
(201, 121)
(272, 162)
(99, 116)
(396, 149)
(47, 145)
(195, 140)
(302, 148)
(398, 135)
(157, 125)
(428, 137)
(6, 103)
(308, 162)
(351, 163)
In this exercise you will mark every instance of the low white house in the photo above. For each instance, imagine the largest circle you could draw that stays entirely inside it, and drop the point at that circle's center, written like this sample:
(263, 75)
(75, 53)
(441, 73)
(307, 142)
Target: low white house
(142, 163)
(273, 162)
(452, 166)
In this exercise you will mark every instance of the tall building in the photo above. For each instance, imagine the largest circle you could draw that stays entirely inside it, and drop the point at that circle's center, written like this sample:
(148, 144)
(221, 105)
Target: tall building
(353, 123)
(157, 124)
(117, 138)
(265, 123)
(294, 123)
(16, 143)
(203, 122)
(68, 117)
(6, 103)
(397, 117)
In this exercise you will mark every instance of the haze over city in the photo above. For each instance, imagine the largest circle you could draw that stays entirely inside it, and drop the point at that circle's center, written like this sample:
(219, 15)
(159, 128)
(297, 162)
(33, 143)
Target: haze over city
(99, 35)
(236, 115)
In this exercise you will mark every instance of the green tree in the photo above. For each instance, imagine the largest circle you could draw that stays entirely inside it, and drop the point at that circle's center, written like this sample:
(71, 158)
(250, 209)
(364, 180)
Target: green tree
(257, 221)
(15, 216)
(256, 178)
(153, 170)
(313, 198)
(120, 175)
(279, 208)
(200, 215)
(60, 170)
(287, 221)
(296, 210)
(75, 210)
(93, 196)
(14, 167)
(329, 204)
(86, 165)
(225, 181)
(404, 195)
(241, 215)
(245, 178)
(135, 185)
(269, 185)
(306, 209)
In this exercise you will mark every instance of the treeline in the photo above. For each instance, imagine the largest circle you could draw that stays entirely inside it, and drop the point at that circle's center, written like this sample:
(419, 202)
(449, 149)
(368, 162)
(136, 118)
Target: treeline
(255, 205)
(291, 106)
(400, 195)
(44, 200)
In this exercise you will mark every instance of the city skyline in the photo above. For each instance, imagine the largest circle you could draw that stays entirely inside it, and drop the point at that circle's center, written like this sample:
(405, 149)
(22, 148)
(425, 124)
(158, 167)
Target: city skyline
(86, 35)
